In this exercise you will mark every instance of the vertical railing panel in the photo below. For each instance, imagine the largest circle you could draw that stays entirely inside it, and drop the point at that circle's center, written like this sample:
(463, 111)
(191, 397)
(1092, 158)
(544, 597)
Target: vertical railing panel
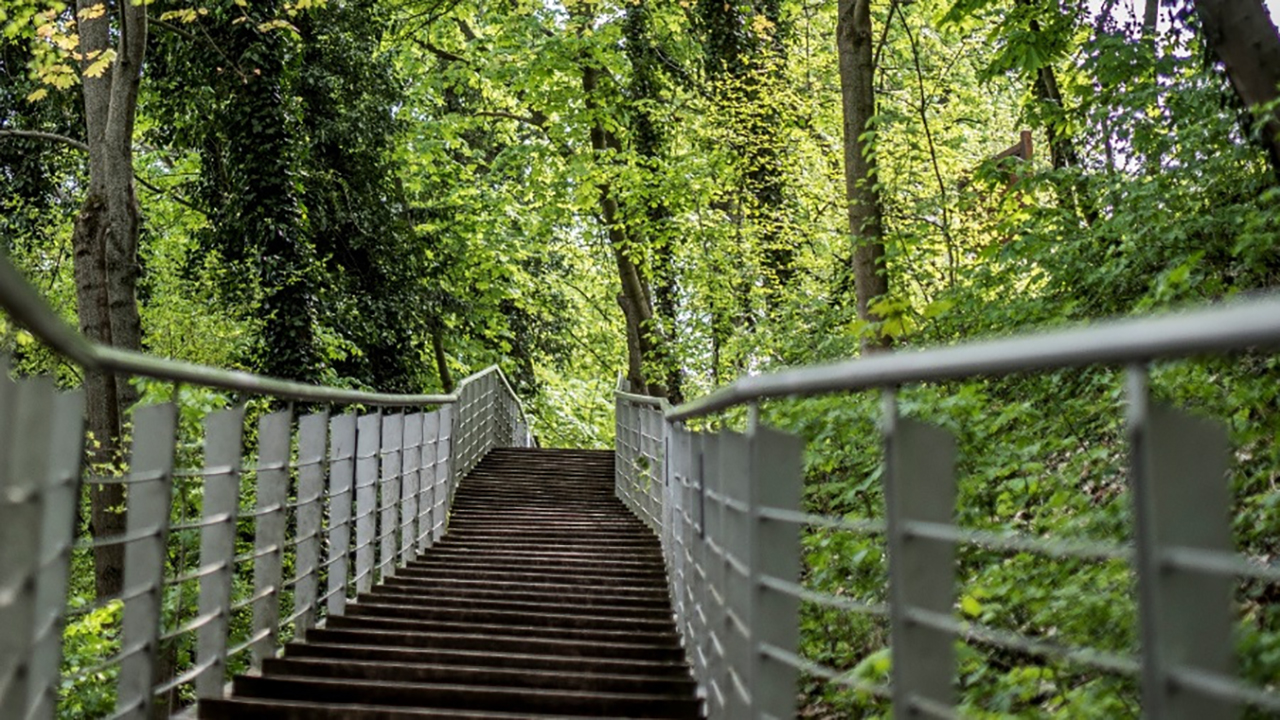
(920, 487)
(147, 520)
(1182, 506)
(22, 510)
(445, 459)
(222, 447)
(342, 452)
(274, 450)
(777, 479)
(312, 442)
(392, 436)
(710, 598)
(367, 442)
(428, 479)
(737, 560)
(410, 463)
(57, 529)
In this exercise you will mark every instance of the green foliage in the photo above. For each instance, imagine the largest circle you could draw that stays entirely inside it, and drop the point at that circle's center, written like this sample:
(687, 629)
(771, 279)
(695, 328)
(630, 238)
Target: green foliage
(384, 194)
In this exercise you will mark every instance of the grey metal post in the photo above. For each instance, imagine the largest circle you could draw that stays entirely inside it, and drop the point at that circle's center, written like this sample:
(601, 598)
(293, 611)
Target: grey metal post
(22, 508)
(367, 442)
(427, 481)
(919, 487)
(1181, 506)
(274, 448)
(58, 529)
(312, 443)
(342, 453)
(147, 518)
(777, 479)
(445, 458)
(392, 435)
(410, 463)
(738, 595)
(222, 445)
(710, 597)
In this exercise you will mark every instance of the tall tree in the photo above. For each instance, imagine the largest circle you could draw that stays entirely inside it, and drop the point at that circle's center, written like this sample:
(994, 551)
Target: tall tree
(1242, 35)
(854, 43)
(105, 241)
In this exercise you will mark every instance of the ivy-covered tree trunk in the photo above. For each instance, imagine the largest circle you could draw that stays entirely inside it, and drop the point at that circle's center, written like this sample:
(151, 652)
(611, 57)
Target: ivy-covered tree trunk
(649, 143)
(858, 100)
(1241, 34)
(743, 51)
(105, 246)
(264, 212)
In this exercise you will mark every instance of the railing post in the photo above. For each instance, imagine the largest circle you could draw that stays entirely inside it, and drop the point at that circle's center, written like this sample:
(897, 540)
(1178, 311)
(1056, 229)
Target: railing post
(342, 452)
(410, 464)
(737, 548)
(274, 449)
(919, 487)
(147, 520)
(428, 485)
(446, 457)
(222, 446)
(392, 435)
(65, 450)
(367, 442)
(25, 485)
(1181, 507)
(710, 599)
(777, 479)
(311, 467)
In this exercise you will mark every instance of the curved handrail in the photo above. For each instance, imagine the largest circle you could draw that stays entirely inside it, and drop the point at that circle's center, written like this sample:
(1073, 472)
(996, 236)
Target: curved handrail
(24, 305)
(1230, 326)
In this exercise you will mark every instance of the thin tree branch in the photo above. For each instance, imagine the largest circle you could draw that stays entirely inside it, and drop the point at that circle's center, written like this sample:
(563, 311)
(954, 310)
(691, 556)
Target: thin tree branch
(933, 152)
(52, 137)
(169, 194)
(172, 28)
(535, 119)
(439, 51)
(84, 147)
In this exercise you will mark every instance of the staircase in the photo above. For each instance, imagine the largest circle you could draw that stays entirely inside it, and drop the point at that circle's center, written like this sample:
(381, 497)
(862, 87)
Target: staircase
(546, 598)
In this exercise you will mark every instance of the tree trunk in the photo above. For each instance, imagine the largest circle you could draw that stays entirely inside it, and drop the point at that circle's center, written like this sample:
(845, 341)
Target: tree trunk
(1241, 34)
(105, 244)
(643, 341)
(857, 95)
(442, 362)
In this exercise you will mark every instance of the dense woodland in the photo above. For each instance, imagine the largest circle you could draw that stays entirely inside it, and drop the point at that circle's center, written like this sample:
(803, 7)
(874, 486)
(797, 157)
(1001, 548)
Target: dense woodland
(389, 194)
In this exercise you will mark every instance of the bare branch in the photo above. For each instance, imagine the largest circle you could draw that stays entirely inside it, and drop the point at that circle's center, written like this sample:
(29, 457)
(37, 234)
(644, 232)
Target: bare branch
(169, 194)
(439, 51)
(52, 137)
(535, 119)
(173, 29)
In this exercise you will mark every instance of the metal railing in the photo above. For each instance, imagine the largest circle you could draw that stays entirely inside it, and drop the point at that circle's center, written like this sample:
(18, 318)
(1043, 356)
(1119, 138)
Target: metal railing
(239, 535)
(728, 508)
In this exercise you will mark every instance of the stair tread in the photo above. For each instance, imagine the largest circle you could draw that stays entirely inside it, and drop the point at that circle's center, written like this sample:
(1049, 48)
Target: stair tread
(545, 598)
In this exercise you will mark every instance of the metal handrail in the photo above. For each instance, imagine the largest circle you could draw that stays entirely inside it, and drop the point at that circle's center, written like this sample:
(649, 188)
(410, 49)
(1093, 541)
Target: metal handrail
(1231, 326)
(24, 305)
(728, 509)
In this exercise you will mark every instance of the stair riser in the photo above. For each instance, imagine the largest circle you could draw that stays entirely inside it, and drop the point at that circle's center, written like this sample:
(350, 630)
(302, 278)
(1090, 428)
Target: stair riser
(516, 569)
(546, 599)
(574, 591)
(480, 675)
(659, 611)
(483, 658)
(497, 628)
(464, 697)
(498, 644)
(524, 620)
